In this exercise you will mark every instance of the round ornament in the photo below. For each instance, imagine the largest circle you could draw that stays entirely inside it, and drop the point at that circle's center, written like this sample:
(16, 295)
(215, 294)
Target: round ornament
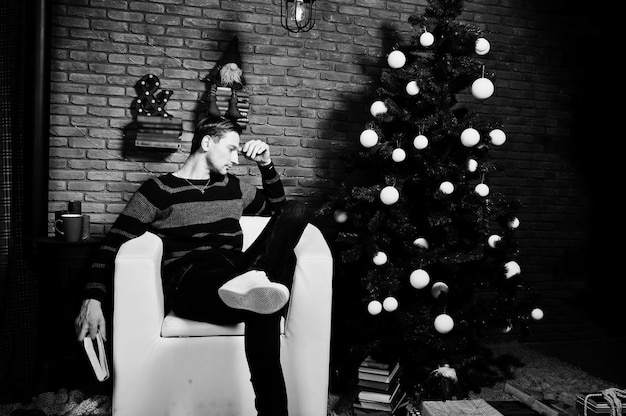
(396, 59)
(514, 223)
(497, 137)
(378, 107)
(340, 216)
(482, 88)
(374, 307)
(421, 242)
(419, 278)
(472, 165)
(470, 137)
(412, 88)
(446, 187)
(511, 268)
(438, 288)
(536, 314)
(420, 142)
(390, 304)
(444, 323)
(368, 138)
(379, 258)
(493, 240)
(427, 39)
(482, 46)
(389, 195)
(482, 189)
(398, 155)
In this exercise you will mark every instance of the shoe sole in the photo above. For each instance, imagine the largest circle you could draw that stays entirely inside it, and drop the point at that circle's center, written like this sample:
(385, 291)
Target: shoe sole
(262, 299)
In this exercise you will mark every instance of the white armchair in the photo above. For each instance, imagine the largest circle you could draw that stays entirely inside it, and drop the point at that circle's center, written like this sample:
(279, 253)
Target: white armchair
(164, 365)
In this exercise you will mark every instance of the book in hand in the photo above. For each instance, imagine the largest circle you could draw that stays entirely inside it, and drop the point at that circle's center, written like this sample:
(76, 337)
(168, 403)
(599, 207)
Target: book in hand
(97, 356)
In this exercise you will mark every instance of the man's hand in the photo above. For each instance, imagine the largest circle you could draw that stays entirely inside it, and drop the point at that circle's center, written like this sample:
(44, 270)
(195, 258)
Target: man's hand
(90, 320)
(257, 151)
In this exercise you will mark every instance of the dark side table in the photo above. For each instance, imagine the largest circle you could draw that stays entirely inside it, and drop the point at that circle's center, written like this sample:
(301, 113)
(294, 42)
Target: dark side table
(60, 268)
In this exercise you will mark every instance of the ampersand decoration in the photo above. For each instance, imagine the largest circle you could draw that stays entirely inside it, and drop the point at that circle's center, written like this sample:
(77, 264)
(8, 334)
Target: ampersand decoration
(149, 103)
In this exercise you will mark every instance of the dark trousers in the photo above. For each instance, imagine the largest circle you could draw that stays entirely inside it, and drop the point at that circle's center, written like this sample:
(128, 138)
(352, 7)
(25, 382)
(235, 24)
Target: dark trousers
(191, 292)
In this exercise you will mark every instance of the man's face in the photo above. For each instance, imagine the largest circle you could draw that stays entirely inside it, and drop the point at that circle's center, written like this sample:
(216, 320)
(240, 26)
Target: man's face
(223, 154)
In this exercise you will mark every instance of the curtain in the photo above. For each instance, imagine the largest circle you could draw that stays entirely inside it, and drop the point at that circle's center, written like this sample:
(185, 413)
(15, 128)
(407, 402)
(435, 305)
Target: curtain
(18, 285)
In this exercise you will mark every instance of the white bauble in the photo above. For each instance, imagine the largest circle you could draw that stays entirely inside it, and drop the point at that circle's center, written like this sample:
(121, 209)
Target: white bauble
(396, 59)
(511, 268)
(368, 138)
(446, 187)
(340, 216)
(482, 88)
(398, 155)
(507, 329)
(482, 46)
(472, 165)
(470, 137)
(390, 304)
(420, 142)
(379, 258)
(493, 240)
(378, 107)
(427, 39)
(419, 278)
(389, 195)
(412, 88)
(536, 314)
(421, 242)
(374, 307)
(514, 223)
(444, 323)
(438, 288)
(497, 137)
(482, 189)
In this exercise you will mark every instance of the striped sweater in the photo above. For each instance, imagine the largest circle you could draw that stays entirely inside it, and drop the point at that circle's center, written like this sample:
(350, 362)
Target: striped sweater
(189, 222)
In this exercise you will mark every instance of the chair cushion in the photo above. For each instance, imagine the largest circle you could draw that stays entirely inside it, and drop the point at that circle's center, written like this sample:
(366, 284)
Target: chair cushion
(175, 326)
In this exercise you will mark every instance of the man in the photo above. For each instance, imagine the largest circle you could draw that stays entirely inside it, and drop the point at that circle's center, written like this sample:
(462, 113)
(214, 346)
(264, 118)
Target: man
(206, 276)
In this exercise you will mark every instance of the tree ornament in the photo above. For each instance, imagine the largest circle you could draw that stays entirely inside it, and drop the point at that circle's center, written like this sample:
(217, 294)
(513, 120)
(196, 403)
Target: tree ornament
(396, 59)
(493, 240)
(511, 269)
(398, 155)
(470, 137)
(420, 142)
(427, 39)
(472, 165)
(514, 223)
(374, 307)
(446, 187)
(444, 323)
(412, 88)
(389, 195)
(368, 138)
(536, 314)
(482, 46)
(482, 88)
(421, 242)
(482, 189)
(377, 108)
(390, 304)
(497, 137)
(438, 288)
(419, 278)
(507, 329)
(340, 216)
(379, 258)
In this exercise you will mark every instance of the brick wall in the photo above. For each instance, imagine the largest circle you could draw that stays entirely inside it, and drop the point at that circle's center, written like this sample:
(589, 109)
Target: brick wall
(309, 99)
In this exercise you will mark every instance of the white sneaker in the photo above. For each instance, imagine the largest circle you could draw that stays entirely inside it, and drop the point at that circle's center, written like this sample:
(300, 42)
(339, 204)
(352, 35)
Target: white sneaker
(253, 291)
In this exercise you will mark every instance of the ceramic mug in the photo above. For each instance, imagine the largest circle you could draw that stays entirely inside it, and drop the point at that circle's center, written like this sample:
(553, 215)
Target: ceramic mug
(71, 227)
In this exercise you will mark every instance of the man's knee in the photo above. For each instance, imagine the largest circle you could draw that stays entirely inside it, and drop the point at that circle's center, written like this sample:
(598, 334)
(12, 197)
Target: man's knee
(296, 209)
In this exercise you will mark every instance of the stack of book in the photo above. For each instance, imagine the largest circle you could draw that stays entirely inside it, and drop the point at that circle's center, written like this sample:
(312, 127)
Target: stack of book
(159, 132)
(380, 392)
(223, 96)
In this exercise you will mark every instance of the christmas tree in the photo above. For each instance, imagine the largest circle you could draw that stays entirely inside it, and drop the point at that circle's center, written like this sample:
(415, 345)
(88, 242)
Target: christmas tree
(431, 244)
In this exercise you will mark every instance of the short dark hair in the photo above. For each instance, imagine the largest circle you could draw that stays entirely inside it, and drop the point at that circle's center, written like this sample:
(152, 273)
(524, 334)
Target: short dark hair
(214, 127)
